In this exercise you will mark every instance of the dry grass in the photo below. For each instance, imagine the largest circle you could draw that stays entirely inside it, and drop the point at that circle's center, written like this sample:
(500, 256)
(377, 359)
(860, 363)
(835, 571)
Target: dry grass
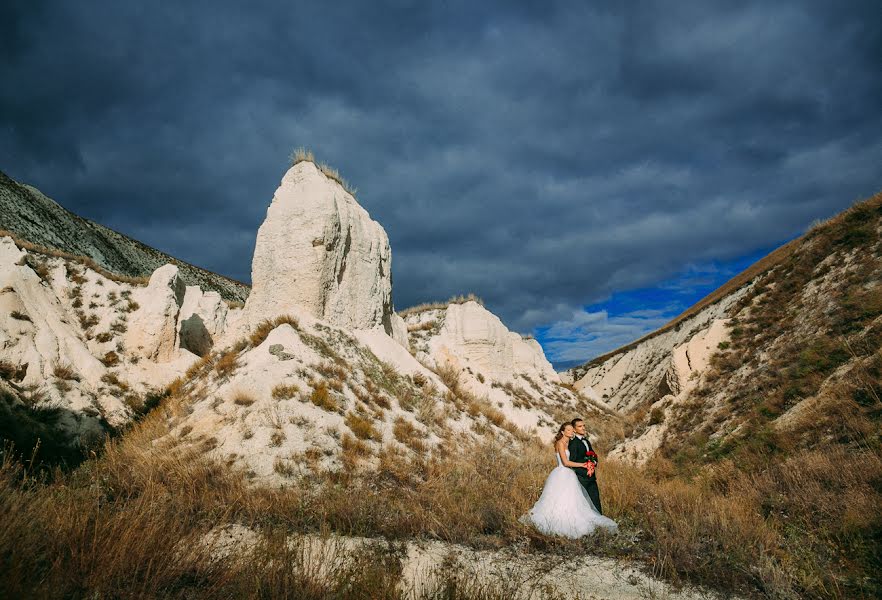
(322, 398)
(119, 522)
(20, 316)
(277, 438)
(406, 433)
(450, 376)
(261, 332)
(227, 363)
(65, 371)
(461, 299)
(285, 391)
(362, 426)
(424, 326)
(110, 359)
(83, 260)
(303, 155)
(242, 398)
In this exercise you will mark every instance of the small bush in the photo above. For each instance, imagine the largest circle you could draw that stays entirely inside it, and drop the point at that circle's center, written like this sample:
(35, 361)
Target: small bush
(110, 359)
(19, 316)
(243, 399)
(362, 427)
(321, 397)
(104, 336)
(227, 363)
(65, 372)
(284, 392)
(277, 437)
(656, 416)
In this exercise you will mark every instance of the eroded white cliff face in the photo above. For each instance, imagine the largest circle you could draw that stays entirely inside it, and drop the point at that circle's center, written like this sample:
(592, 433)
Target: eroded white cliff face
(492, 361)
(319, 249)
(202, 320)
(153, 327)
(658, 374)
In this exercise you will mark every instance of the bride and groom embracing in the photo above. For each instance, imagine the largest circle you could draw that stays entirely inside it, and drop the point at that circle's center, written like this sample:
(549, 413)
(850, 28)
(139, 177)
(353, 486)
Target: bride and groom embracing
(570, 501)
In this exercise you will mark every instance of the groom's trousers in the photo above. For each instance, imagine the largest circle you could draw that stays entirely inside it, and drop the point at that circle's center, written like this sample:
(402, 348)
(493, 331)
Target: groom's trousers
(590, 485)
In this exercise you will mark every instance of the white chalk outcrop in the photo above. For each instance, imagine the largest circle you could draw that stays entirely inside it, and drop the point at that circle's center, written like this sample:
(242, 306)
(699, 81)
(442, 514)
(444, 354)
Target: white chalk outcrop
(492, 361)
(657, 374)
(319, 249)
(201, 320)
(153, 327)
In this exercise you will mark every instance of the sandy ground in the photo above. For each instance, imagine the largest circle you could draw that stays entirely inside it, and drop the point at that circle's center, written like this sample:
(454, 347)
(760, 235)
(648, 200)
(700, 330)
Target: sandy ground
(533, 575)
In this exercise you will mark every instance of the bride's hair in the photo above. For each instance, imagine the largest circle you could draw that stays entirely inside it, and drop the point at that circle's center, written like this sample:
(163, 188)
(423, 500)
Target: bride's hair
(560, 431)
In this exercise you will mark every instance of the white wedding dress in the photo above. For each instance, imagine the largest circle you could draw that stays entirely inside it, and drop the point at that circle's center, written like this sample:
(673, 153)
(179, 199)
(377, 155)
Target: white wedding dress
(564, 507)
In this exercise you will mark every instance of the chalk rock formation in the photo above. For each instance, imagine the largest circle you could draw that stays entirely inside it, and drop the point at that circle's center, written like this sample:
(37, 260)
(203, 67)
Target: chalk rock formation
(472, 334)
(319, 249)
(201, 320)
(659, 366)
(489, 360)
(659, 373)
(153, 328)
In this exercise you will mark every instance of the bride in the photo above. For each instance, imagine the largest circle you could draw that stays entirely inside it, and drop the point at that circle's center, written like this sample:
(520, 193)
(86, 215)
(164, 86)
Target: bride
(564, 507)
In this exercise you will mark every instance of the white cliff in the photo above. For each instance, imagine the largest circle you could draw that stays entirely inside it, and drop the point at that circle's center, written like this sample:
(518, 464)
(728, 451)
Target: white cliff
(319, 249)
(657, 374)
(489, 360)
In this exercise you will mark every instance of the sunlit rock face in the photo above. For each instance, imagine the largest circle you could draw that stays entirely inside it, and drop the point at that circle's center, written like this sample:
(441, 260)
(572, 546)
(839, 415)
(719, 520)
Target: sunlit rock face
(320, 250)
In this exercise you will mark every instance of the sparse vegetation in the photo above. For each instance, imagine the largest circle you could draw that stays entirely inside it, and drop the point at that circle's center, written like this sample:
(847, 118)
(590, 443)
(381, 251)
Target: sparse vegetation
(277, 438)
(65, 371)
(321, 397)
(110, 359)
(20, 316)
(441, 305)
(261, 332)
(303, 155)
(406, 433)
(242, 398)
(226, 363)
(362, 426)
(285, 391)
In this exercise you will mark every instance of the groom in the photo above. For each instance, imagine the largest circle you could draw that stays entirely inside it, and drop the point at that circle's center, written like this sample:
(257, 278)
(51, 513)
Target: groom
(579, 447)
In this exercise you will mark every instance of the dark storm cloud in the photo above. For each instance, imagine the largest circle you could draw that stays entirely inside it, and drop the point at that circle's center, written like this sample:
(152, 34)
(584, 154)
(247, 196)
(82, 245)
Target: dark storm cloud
(541, 156)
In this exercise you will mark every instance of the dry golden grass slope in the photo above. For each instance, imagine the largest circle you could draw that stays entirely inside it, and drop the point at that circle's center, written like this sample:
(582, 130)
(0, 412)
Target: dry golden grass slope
(788, 418)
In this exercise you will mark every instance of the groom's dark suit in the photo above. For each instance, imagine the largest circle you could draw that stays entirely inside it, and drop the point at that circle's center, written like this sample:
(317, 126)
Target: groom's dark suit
(579, 448)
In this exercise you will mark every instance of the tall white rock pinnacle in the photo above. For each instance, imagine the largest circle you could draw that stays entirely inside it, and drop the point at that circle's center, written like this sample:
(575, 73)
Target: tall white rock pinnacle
(319, 250)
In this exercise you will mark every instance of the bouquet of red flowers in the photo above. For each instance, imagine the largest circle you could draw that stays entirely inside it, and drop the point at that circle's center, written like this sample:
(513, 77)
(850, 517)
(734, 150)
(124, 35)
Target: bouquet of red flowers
(591, 457)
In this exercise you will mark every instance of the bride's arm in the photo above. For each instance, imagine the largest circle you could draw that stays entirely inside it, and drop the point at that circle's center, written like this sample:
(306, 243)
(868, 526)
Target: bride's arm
(561, 451)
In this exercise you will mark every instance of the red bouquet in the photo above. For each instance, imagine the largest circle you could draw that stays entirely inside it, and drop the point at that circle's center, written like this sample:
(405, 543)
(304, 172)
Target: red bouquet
(591, 457)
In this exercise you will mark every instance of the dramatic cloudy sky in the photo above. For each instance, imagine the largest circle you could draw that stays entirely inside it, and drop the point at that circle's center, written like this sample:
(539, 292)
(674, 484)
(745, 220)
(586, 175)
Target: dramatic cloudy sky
(588, 168)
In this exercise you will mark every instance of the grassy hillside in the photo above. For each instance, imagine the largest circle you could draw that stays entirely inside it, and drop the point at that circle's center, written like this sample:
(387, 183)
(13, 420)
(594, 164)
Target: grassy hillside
(790, 417)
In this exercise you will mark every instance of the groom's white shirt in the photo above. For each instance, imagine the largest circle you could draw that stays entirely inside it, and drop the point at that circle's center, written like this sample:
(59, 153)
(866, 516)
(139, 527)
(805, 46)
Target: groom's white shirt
(584, 442)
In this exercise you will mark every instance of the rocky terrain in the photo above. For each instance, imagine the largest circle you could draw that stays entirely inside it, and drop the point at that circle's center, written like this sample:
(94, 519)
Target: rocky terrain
(31, 217)
(315, 366)
(740, 443)
(767, 352)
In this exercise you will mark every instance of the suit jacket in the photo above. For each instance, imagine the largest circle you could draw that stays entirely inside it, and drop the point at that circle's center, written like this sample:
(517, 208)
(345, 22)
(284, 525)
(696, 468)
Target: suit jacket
(578, 453)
